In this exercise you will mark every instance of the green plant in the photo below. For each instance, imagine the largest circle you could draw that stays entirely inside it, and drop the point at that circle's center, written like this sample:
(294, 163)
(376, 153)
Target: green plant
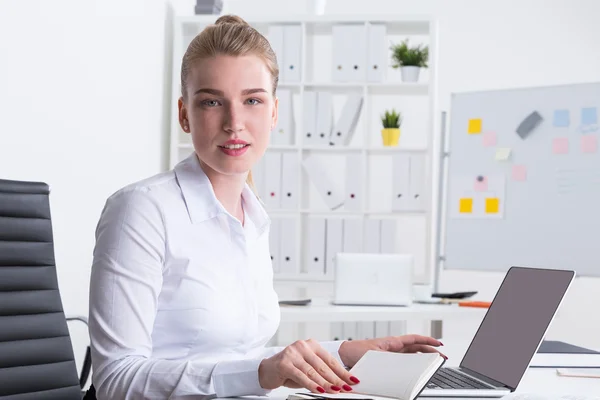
(391, 119)
(405, 55)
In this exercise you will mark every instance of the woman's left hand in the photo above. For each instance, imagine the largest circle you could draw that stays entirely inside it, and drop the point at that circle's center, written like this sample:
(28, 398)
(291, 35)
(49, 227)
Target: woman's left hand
(351, 351)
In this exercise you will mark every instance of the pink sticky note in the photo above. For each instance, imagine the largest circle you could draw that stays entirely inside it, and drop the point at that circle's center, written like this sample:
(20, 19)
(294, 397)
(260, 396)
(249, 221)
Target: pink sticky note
(480, 184)
(560, 145)
(489, 139)
(519, 173)
(589, 144)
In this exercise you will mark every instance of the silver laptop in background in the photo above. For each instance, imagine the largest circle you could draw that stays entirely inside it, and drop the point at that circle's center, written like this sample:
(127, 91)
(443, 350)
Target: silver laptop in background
(508, 337)
(373, 279)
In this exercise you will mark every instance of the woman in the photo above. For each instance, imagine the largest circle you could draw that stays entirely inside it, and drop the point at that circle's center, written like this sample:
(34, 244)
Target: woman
(181, 298)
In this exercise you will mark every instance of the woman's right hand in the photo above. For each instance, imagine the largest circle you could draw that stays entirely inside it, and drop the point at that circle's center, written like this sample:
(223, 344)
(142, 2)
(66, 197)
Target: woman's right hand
(305, 364)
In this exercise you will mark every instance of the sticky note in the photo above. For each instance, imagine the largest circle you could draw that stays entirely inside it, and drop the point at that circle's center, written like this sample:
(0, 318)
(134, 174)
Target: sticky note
(489, 139)
(529, 124)
(519, 173)
(466, 205)
(502, 154)
(492, 205)
(475, 126)
(589, 144)
(480, 184)
(561, 118)
(560, 145)
(589, 116)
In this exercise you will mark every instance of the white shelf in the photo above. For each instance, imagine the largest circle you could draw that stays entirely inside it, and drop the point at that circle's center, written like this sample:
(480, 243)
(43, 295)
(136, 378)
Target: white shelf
(417, 101)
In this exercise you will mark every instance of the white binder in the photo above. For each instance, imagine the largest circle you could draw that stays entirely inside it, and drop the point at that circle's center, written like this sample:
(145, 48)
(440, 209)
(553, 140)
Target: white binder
(272, 165)
(292, 50)
(353, 235)
(388, 236)
(322, 181)
(345, 126)
(258, 177)
(309, 120)
(354, 180)
(283, 132)
(376, 53)
(275, 37)
(340, 47)
(334, 242)
(372, 235)
(400, 182)
(324, 118)
(290, 180)
(417, 182)
(357, 56)
(316, 246)
(288, 261)
(274, 244)
(348, 53)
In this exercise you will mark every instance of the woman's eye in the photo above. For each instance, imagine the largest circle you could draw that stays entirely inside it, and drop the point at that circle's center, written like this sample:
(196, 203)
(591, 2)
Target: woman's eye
(253, 101)
(210, 103)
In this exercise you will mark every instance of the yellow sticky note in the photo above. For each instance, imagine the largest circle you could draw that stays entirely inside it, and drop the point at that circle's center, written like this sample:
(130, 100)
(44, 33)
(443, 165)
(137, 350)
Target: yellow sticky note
(492, 205)
(466, 205)
(474, 126)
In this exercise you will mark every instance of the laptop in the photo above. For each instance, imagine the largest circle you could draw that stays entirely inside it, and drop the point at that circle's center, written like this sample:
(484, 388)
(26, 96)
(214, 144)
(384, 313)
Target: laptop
(373, 279)
(508, 337)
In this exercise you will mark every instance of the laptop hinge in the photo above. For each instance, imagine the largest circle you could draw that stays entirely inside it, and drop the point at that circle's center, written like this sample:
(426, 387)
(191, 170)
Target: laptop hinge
(483, 378)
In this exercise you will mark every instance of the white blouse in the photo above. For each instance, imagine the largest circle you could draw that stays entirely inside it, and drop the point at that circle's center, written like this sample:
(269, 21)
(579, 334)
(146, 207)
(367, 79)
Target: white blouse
(181, 296)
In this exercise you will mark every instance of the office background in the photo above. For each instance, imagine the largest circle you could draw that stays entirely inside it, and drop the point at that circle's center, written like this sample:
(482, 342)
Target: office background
(85, 98)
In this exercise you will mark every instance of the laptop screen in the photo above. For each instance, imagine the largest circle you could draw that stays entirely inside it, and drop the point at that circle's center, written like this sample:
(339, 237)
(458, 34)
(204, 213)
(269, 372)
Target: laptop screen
(515, 323)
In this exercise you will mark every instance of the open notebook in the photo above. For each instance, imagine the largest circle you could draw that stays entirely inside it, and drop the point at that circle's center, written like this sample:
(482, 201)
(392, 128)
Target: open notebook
(386, 374)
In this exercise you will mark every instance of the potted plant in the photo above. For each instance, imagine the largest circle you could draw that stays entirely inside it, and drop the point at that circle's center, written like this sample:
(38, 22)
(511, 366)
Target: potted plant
(410, 59)
(390, 133)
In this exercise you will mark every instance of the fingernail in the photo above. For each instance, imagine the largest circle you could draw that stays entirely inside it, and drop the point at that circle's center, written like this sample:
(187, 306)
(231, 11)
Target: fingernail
(320, 389)
(354, 379)
(445, 357)
(337, 389)
(441, 344)
(347, 388)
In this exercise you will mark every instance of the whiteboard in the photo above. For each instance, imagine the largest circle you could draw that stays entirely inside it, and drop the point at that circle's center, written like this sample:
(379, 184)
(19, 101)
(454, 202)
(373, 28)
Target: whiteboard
(523, 180)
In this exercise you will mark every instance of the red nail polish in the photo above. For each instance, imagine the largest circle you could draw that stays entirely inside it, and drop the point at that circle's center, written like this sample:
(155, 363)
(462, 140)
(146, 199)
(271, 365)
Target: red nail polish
(337, 389)
(441, 344)
(347, 388)
(354, 379)
(320, 389)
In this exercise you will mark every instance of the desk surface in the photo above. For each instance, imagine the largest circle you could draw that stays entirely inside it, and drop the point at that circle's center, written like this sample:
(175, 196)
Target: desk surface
(321, 310)
(541, 382)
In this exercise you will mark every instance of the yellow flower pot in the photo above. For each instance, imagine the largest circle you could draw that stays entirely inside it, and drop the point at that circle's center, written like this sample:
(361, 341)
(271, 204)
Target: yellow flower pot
(390, 136)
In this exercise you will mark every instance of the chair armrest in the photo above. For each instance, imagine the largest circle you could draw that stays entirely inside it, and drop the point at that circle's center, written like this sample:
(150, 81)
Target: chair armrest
(87, 361)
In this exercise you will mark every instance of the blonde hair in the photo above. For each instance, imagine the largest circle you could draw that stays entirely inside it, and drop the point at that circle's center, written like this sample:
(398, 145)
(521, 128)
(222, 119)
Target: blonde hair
(232, 36)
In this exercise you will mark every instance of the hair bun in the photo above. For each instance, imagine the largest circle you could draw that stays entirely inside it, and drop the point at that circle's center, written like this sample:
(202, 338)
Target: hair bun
(230, 19)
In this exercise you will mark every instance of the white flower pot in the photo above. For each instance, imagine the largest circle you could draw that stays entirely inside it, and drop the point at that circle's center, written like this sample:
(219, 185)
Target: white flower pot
(410, 73)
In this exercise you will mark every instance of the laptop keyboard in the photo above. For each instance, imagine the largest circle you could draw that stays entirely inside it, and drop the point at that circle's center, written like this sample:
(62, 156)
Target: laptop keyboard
(447, 378)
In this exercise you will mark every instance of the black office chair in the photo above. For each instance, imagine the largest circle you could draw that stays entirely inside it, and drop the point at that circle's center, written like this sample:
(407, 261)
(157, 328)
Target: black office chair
(36, 354)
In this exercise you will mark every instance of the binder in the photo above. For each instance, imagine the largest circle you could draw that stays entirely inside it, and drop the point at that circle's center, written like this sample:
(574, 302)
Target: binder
(316, 246)
(372, 236)
(345, 126)
(288, 261)
(416, 182)
(354, 180)
(348, 53)
(322, 181)
(258, 177)
(309, 121)
(388, 236)
(275, 37)
(274, 244)
(340, 47)
(272, 198)
(283, 132)
(334, 229)
(376, 53)
(357, 56)
(324, 118)
(353, 235)
(290, 181)
(400, 182)
(292, 48)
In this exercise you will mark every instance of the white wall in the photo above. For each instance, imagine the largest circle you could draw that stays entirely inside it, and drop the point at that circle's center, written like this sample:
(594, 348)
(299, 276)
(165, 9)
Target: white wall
(82, 101)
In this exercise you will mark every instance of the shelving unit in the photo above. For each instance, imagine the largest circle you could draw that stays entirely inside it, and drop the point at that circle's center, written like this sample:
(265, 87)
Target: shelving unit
(416, 101)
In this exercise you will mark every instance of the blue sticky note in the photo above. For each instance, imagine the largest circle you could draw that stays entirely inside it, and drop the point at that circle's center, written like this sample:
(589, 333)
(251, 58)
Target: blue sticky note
(589, 116)
(561, 118)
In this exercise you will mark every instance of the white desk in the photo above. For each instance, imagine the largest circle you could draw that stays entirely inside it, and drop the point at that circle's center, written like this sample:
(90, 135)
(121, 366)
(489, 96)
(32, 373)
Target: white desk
(537, 381)
(321, 310)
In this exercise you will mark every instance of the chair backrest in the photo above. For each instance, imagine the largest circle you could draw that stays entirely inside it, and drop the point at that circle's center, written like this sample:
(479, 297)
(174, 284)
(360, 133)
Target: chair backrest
(36, 354)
